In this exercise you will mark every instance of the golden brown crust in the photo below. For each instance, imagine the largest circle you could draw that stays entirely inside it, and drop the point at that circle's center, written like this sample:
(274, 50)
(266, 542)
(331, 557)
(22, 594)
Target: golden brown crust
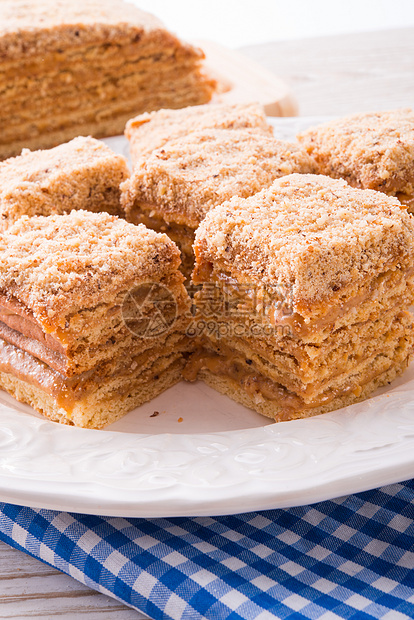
(151, 131)
(82, 174)
(370, 151)
(312, 235)
(190, 175)
(59, 264)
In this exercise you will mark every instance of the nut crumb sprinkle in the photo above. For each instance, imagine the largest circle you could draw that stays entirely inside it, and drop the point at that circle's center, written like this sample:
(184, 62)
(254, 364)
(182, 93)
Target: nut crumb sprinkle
(63, 263)
(374, 150)
(310, 233)
(193, 173)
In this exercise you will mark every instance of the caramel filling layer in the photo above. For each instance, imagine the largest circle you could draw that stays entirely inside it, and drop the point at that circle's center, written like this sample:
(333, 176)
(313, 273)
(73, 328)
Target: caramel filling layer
(19, 328)
(256, 385)
(67, 391)
(182, 234)
(18, 318)
(279, 313)
(35, 347)
(25, 367)
(407, 200)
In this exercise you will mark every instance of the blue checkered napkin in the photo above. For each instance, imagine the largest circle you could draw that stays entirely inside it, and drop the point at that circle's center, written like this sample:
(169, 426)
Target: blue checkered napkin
(347, 558)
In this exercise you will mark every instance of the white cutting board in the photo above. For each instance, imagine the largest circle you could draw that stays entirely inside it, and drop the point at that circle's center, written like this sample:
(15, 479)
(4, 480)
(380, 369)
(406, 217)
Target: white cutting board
(241, 80)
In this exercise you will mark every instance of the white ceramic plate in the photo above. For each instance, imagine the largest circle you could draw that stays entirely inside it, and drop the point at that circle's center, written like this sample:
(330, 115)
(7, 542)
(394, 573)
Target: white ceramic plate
(203, 454)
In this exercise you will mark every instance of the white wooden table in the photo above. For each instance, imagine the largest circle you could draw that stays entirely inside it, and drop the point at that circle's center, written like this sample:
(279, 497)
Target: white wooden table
(329, 76)
(31, 589)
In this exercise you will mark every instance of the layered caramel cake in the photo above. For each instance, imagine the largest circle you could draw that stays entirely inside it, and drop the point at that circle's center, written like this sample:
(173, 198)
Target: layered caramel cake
(85, 67)
(174, 187)
(81, 174)
(369, 151)
(306, 290)
(92, 316)
(150, 131)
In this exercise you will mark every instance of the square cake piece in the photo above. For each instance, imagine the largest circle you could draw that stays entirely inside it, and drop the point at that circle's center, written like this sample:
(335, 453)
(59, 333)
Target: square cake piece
(151, 131)
(81, 174)
(305, 298)
(92, 314)
(369, 151)
(173, 189)
(85, 67)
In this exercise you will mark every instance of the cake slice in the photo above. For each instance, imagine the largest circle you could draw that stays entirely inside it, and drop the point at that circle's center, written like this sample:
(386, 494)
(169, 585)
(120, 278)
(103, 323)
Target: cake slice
(174, 188)
(150, 131)
(305, 294)
(92, 316)
(81, 174)
(369, 151)
(85, 68)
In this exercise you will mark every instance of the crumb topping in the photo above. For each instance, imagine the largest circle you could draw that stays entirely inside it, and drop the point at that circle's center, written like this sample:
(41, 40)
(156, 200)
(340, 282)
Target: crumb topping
(150, 131)
(372, 151)
(190, 175)
(41, 166)
(19, 14)
(81, 174)
(59, 264)
(311, 233)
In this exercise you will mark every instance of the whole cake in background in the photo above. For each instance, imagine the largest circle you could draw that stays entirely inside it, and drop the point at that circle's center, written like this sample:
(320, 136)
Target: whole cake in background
(84, 67)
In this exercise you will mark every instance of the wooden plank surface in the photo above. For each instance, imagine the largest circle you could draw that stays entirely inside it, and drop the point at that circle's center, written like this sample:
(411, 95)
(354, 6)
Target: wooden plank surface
(31, 589)
(328, 76)
(241, 80)
(344, 74)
